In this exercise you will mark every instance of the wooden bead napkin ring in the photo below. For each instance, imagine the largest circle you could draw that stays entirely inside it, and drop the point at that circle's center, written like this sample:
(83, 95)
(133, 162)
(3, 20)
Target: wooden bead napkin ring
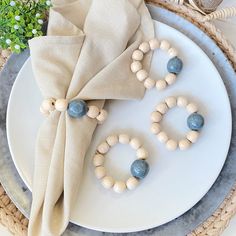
(195, 123)
(139, 168)
(174, 65)
(76, 109)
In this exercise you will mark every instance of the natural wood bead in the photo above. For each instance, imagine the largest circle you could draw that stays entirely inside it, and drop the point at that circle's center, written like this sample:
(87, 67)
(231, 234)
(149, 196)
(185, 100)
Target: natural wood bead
(103, 147)
(124, 138)
(182, 102)
(137, 55)
(142, 75)
(45, 113)
(142, 153)
(165, 45)
(171, 145)
(171, 102)
(154, 44)
(112, 140)
(184, 144)
(149, 83)
(144, 47)
(162, 108)
(161, 84)
(136, 66)
(108, 182)
(119, 187)
(48, 104)
(155, 128)
(172, 52)
(6, 53)
(135, 143)
(61, 105)
(93, 112)
(192, 136)
(102, 116)
(98, 160)
(132, 183)
(192, 107)
(2, 61)
(156, 116)
(100, 172)
(170, 78)
(162, 137)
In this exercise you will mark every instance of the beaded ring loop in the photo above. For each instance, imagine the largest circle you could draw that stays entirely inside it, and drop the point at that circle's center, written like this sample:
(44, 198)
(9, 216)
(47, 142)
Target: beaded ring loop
(76, 109)
(195, 122)
(139, 168)
(174, 65)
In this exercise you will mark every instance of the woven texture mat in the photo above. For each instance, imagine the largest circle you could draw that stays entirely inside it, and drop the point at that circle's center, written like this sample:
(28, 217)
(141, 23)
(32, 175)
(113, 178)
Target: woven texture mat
(17, 224)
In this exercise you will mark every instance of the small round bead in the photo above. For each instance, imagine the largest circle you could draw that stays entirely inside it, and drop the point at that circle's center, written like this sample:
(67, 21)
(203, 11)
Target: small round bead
(144, 47)
(136, 66)
(135, 143)
(182, 102)
(61, 105)
(149, 83)
(175, 65)
(102, 116)
(93, 112)
(161, 84)
(162, 137)
(77, 108)
(48, 104)
(171, 102)
(132, 183)
(172, 52)
(154, 44)
(108, 182)
(162, 108)
(119, 187)
(171, 145)
(137, 55)
(142, 153)
(165, 45)
(139, 169)
(124, 138)
(100, 172)
(156, 116)
(112, 140)
(103, 147)
(155, 128)
(142, 75)
(170, 78)
(98, 160)
(45, 113)
(192, 136)
(184, 144)
(192, 107)
(195, 121)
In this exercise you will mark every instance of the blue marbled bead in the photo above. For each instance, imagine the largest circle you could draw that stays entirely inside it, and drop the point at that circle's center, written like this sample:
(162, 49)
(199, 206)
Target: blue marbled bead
(77, 108)
(195, 121)
(139, 169)
(175, 65)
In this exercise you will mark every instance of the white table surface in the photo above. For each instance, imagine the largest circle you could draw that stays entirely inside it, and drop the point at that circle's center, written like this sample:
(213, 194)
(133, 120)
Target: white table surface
(228, 27)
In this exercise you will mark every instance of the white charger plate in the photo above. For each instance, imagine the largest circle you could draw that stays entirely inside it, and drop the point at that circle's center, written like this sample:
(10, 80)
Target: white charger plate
(177, 180)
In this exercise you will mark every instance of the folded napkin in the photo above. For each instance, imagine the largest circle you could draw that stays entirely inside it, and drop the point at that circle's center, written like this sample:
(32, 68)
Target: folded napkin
(87, 55)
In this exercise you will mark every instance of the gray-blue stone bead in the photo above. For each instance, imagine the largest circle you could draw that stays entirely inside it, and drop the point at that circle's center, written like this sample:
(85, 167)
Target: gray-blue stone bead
(139, 169)
(175, 65)
(77, 108)
(195, 121)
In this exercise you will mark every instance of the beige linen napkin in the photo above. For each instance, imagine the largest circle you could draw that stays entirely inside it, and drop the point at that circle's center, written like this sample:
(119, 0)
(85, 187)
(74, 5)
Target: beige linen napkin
(86, 55)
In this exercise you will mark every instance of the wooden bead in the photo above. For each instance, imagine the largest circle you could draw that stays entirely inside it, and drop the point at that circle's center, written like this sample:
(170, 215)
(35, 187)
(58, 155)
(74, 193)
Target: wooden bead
(98, 160)
(154, 44)
(172, 52)
(2, 61)
(162, 137)
(184, 144)
(48, 104)
(155, 128)
(119, 187)
(112, 140)
(170, 78)
(45, 113)
(165, 45)
(6, 53)
(61, 105)
(137, 55)
(171, 145)
(171, 102)
(149, 83)
(100, 172)
(102, 116)
(156, 116)
(135, 143)
(182, 102)
(192, 136)
(144, 47)
(142, 153)
(192, 107)
(132, 183)
(103, 147)
(108, 182)
(162, 108)
(124, 138)
(93, 112)
(142, 75)
(136, 66)
(161, 84)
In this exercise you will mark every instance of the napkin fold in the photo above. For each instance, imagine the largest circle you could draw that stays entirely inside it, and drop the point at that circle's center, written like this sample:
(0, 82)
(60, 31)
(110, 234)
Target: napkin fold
(87, 55)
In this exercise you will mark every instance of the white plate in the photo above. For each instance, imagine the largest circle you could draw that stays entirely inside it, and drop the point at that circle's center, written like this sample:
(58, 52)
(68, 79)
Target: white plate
(177, 180)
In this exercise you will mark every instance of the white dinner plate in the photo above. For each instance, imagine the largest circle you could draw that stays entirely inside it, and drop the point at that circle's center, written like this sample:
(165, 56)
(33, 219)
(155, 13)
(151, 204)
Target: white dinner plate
(176, 181)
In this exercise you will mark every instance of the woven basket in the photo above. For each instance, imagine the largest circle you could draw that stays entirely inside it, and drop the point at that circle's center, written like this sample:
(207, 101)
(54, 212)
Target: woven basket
(13, 219)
